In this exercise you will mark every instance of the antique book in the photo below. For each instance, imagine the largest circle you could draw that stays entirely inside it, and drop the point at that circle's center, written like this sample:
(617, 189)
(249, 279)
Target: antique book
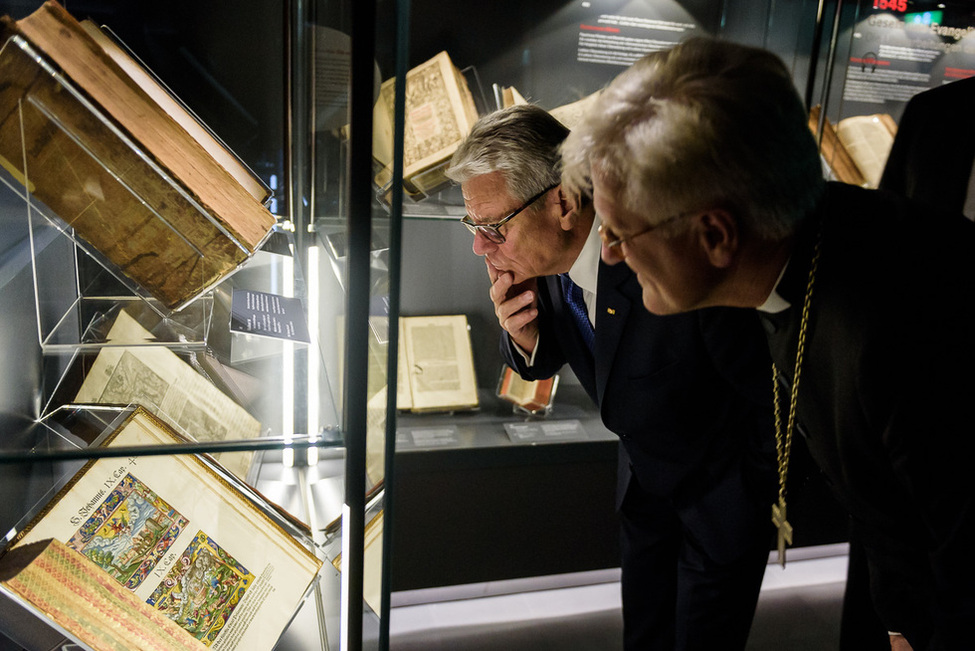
(508, 96)
(570, 114)
(168, 102)
(439, 113)
(404, 394)
(181, 538)
(868, 139)
(81, 598)
(856, 148)
(156, 378)
(372, 559)
(112, 162)
(438, 363)
(532, 396)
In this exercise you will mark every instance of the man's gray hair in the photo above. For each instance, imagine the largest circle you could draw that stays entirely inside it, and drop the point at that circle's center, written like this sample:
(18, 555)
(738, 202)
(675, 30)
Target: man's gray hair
(522, 142)
(707, 124)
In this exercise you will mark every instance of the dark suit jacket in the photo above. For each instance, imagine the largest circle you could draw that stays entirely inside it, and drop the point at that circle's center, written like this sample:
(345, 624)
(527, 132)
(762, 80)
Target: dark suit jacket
(931, 159)
(688, 395)
(886, 394)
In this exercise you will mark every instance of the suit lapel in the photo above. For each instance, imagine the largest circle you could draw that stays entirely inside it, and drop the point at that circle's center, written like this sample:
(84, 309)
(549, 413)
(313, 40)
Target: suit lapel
(618, 292)
(574, 348)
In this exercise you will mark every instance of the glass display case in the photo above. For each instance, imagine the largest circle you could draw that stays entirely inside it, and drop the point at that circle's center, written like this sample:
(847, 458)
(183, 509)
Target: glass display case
(172, 436)
(278, 368)
(875, 56)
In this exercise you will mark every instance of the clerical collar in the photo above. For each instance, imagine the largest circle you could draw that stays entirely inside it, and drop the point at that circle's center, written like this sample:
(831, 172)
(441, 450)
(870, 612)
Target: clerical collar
(586, 267)
(775, 303)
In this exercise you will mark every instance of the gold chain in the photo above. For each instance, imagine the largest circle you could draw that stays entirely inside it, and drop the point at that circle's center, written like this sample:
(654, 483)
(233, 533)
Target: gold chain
(783, 441)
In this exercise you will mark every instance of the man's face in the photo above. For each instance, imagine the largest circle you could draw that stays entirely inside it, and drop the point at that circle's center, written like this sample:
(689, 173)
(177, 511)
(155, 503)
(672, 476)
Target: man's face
(533, 238)
(668, 268)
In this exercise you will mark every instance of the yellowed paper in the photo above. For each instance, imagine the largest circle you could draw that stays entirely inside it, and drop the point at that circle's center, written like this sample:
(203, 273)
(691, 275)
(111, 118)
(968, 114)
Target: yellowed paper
(182, 539)
(868, 140)
(157, 379)
(440, 364)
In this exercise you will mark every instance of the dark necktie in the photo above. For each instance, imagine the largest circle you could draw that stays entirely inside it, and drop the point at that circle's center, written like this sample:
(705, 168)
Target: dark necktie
(577, 307)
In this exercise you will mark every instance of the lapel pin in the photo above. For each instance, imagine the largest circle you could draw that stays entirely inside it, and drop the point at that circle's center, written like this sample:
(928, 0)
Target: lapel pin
(610, 310)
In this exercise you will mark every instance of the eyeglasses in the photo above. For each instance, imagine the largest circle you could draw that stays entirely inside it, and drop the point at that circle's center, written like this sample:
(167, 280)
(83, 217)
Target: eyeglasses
(490, 231)
(611, 240)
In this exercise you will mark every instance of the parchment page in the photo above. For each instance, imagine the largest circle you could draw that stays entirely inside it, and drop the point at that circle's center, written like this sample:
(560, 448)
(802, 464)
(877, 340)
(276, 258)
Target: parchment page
(157, 379)
(441, 365)
(868, 140)
(183, 540)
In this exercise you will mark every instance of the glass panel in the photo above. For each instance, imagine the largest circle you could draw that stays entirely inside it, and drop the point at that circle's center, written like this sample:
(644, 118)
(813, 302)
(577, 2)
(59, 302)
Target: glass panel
(267, 375)
(882, 54)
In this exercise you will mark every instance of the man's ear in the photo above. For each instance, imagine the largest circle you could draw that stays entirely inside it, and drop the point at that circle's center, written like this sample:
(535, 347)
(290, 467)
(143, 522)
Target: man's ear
(568, 209)
(719, 237)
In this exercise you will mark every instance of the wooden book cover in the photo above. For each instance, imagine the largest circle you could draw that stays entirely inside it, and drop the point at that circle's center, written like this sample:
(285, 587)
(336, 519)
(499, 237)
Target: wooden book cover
(439, 363)
(78, 596)
(835, 155)
(181, 538)
(145, 80)
(99, 158)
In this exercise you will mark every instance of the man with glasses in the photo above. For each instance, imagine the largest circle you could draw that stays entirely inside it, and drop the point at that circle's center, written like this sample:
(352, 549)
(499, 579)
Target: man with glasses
(867, 299)
(687, 395)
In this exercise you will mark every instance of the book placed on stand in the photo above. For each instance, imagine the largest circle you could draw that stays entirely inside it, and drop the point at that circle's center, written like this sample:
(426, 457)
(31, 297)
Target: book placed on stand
(183, 538)
(856, 147)
(572, 113)
(532, 396)
(110, 152)
(158, 379)
(439, 114)
(436, 364)
(92, 607)
(372, 559)
(509, 96)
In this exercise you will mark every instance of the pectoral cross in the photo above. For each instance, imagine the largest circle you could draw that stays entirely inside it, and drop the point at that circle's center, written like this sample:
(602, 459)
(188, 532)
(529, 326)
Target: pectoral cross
(784, 528)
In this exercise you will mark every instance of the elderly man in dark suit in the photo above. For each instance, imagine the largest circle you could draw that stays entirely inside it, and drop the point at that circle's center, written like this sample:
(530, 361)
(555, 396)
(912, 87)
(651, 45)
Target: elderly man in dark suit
(687, 395)
(868, 302)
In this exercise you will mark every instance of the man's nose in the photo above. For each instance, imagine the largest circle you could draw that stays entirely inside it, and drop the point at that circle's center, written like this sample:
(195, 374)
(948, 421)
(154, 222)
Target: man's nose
(611, 255)
(482, 245)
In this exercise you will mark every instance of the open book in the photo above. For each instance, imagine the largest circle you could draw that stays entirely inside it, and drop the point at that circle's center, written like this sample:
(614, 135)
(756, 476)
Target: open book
(182, 538)
(156, 378)
(856, 148)
(531, 396)
(103, 145)
(372, 559)
(508, 96)
(439, 114)
(568, 114)
(436, 364)
(80, 598)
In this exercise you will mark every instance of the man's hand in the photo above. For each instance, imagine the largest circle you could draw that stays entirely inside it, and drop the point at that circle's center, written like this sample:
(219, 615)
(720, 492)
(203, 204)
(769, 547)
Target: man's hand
(516, 306)
(899, 643)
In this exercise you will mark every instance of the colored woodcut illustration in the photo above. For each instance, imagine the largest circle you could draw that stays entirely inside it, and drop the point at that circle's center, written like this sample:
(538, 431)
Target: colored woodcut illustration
(192, 548)
(203, 589)
(129, 533)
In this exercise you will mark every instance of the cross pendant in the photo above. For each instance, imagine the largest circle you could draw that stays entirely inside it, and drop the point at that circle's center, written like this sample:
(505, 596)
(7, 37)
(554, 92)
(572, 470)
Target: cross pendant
(784, 528)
